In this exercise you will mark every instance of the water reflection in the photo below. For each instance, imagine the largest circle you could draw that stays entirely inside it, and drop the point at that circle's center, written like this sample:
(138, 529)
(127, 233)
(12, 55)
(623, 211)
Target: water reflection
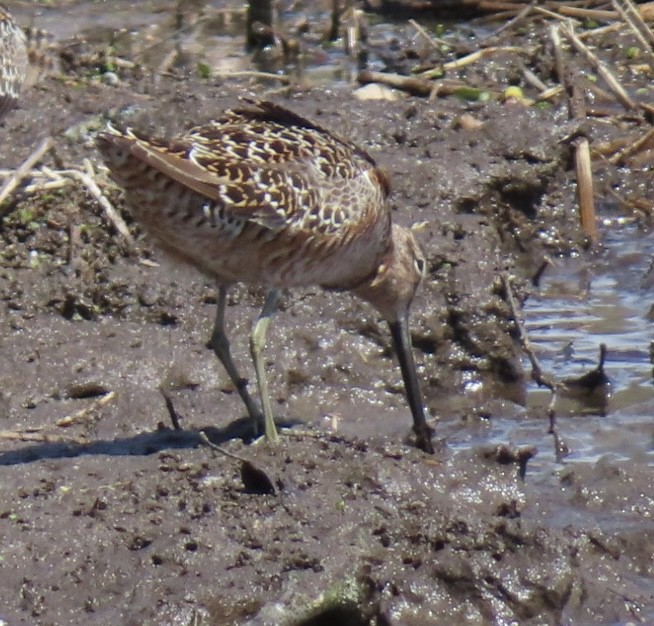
(580, 305)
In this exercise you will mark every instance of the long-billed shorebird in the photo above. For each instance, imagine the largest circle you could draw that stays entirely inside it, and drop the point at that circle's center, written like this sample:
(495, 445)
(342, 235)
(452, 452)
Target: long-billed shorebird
(266, 197)
(13, 60)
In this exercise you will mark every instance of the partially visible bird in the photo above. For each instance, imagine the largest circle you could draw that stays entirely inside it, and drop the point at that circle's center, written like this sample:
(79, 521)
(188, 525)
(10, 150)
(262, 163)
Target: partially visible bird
(13, 61)
(266, 197)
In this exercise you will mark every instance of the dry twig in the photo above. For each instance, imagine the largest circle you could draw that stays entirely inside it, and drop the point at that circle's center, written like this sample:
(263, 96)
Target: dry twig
(205, 440)
(632, 148)
(514, 21)
(634, 19)
(83, 414)
(254, 479)
(412, 85)
(584, 171)
(537, 373)
(37, 434)
(282, 78)
(40, 437)
(600, 67)
(551, 14)
(586, 14)
(434, 42)
(583, 166)
(48, 179)
(101, 199)
(477, 55)
(23, 171)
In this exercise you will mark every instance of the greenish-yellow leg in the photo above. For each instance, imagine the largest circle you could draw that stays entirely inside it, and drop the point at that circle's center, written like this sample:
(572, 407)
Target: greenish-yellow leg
(220, 344)
(257, 344)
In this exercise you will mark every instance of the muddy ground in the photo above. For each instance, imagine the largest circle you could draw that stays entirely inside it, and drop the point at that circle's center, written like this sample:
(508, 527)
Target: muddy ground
(107, 516)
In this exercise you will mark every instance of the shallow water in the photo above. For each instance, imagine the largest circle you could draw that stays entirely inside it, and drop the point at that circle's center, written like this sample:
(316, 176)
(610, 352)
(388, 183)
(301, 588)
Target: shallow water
(580, 305)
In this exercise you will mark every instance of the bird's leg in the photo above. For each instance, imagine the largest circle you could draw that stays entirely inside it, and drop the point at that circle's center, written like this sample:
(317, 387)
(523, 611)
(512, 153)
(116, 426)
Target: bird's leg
(220, 344)
(257, 344)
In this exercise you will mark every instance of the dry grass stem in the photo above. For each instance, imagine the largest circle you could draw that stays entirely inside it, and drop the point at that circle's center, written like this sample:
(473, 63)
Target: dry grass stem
(640, 206)
(533, 80)
(601, 31)
(23, 171)
(551, 93)
(600, 67)
(583, 167)
(39, 437)
(353, 32)
(253, 74)
(555, 36)
(587, 14)
(524, 12)
(481, 54)
(85, 413)
(585, 189)
(635, 28)
(46, 179)
(632, 148)
(111, 213)
(550, 14)
(409, 84)
(205, 440)
(434, 42)
(46, 186)
(633, 17)
(537, 373)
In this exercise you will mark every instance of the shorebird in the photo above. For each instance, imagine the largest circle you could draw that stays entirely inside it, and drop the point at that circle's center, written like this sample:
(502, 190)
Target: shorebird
(13, 61)
(265, 197)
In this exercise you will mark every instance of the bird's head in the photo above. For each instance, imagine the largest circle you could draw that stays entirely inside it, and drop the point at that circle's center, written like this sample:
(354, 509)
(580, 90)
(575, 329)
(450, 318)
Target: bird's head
(401, 270)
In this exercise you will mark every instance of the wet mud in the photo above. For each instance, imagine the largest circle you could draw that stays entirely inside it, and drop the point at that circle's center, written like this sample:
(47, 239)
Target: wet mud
(109, 516)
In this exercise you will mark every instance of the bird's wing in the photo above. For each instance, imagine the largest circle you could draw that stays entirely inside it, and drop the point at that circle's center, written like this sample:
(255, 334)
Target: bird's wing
(268, 195)
(183, 170)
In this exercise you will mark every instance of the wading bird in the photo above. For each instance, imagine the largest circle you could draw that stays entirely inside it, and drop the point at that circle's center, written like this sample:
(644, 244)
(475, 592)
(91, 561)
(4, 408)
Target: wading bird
(265, 197)
(13, 61)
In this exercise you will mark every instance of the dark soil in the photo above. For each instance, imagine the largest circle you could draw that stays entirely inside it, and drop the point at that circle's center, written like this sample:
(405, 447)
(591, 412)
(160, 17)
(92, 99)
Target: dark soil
(108, 516)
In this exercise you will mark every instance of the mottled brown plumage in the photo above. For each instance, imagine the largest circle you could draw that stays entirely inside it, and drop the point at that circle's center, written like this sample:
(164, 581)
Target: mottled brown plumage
(264, 196)
(13, 61)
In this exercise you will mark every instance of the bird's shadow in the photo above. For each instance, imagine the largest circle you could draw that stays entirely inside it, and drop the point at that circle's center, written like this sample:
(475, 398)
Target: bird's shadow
(144, 444)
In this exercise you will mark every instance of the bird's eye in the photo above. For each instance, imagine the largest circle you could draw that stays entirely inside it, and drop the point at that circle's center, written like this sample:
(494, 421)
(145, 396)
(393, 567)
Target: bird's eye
(421, 266)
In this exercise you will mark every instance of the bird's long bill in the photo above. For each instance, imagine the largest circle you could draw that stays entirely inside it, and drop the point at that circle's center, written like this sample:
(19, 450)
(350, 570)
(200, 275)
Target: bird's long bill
(404, 351)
